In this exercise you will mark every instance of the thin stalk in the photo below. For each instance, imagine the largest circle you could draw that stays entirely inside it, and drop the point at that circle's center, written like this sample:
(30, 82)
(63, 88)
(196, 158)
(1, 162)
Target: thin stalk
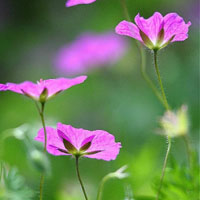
(41, 113)
(1, 170)
(168, 138)
(41, 185)
(188, 149)
(160, 82)
(79, 177)
(144, 74)
(125, 10)
(101, 186)
(164, 167)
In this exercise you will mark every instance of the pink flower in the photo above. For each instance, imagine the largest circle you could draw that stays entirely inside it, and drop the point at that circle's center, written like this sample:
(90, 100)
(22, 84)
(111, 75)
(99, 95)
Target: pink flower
(67, 140)
(44, 89)
(70, 3)
(90, 51)
(157, 31)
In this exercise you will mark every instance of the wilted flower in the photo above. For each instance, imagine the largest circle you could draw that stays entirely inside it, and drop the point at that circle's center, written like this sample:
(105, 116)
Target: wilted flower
(157, 31)
(175, 123)
(90, 51)
(70, 3)
(67, 140)
(44, 89)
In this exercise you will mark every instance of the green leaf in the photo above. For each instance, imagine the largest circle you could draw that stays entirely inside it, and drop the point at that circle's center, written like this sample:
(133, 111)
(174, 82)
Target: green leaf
(14, 187)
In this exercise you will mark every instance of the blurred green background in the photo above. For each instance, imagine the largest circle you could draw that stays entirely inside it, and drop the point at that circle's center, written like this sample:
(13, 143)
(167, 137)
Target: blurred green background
(116, 99)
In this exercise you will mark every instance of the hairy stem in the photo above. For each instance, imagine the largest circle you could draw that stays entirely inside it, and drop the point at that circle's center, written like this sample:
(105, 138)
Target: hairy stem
(168, 138)
(164, 167)
(79, 177)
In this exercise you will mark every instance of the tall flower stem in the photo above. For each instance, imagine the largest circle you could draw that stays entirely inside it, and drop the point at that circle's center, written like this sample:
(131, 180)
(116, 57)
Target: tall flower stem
(79, 177)
(160, 81)
(167, 108)
(142, 57)
(144, 74)
(41, 113)
(164, 167)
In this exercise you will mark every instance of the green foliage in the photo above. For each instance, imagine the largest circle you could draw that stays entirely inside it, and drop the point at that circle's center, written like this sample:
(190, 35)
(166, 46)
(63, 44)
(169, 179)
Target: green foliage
(13, 186)
(181, 182)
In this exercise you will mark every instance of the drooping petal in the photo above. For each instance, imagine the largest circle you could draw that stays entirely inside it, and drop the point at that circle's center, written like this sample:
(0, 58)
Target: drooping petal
(128, 29)
(54, 143)
(174, 25)
(151, 26)
(105, 143)
(70, 3)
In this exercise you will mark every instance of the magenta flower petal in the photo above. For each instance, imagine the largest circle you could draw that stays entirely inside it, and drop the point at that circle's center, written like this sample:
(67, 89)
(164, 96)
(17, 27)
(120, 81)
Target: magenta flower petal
(89, 51)
(70, 3)
(157, 31)
(128, 29)
(34, 90)
(174, 25)
(3, 87)
(151, 26)
(54, 142)
(102, 144)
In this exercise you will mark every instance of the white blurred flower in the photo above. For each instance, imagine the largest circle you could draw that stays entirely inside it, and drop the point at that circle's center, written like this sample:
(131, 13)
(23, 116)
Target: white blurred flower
(175, 124)
(120, 174)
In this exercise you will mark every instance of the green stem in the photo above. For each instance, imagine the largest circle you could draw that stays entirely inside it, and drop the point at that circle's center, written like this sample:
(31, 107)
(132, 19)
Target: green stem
(188, 149)
(144, 74)
(79, 177)
(160, 81)
(101, 186)
(1, 170)
(164, 167)
(125, 10)
(41, 113)
(41, 185)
